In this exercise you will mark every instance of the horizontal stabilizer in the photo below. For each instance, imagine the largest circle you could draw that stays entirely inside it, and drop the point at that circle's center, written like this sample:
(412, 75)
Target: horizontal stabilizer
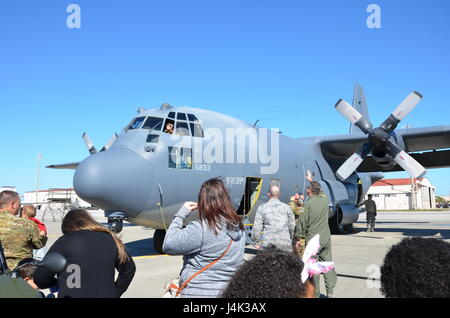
(69, 166)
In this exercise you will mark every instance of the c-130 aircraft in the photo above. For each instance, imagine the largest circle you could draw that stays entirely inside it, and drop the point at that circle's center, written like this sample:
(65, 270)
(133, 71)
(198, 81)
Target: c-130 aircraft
(147, 172)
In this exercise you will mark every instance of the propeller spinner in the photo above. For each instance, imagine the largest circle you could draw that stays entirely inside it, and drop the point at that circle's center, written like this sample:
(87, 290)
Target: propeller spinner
(379, 139)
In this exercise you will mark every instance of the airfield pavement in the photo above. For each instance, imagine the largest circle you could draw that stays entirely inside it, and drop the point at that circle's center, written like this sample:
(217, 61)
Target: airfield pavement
(357, 256)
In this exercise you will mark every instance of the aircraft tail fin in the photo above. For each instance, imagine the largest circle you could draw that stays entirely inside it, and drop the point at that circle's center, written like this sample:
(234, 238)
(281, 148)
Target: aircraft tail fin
(360, 104)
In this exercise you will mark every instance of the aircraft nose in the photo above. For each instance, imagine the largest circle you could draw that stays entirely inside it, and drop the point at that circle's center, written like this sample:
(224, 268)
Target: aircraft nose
(115, 180)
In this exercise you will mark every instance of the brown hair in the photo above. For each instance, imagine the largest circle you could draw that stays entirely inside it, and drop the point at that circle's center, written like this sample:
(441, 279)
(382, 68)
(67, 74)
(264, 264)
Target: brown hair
(26, 271)
(78, 220)
(214, 204)
(7, 197)
(315, 187)
(29, 211)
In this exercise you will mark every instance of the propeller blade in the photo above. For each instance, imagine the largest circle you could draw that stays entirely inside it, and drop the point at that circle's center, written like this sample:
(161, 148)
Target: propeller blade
(405, 107)
(349, 166)
(89, 144)
(408, 104)
(352, 163)
(110, 142)
(408, 163)
(349, 112)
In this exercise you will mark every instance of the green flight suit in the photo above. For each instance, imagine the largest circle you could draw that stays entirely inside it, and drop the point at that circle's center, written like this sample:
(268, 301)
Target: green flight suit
(314, 220)
(16, 288)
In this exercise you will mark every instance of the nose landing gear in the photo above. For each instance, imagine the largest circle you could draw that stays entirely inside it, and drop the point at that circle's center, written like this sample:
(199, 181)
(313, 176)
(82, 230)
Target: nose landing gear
(115, 225)
(115, 221)
(158, 240)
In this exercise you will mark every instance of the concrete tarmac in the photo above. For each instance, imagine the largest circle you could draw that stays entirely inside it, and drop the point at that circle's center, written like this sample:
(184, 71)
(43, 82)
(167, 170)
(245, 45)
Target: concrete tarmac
(357, 256)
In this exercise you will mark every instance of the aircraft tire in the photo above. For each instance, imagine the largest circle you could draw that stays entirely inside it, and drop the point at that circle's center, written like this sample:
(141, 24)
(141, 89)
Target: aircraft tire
(158, 240)
(335, 222)
(115, 226)
(349, 228)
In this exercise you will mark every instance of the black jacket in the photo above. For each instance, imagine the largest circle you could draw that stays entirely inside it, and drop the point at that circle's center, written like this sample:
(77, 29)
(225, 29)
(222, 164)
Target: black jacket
(92, 259)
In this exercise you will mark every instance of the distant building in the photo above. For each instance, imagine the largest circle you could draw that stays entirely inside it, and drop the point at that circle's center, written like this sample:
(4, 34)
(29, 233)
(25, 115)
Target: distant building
(43, 198)
(10, 188)
(404, 194)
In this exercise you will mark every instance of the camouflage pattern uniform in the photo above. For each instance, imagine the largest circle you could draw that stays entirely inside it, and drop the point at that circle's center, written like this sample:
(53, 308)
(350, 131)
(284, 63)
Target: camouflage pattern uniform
(274, 224)
(297, 211)
(19, 237)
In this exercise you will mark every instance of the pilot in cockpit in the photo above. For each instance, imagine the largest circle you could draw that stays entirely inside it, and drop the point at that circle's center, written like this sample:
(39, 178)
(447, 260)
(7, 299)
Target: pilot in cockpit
(168, 128)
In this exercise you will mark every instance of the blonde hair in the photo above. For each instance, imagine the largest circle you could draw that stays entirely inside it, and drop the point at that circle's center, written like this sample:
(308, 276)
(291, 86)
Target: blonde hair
(29, 211)
(78, 220)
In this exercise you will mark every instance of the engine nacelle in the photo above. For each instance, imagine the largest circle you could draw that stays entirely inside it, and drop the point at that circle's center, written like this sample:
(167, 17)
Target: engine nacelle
(382, 158)
(346, 196)
(386, 162)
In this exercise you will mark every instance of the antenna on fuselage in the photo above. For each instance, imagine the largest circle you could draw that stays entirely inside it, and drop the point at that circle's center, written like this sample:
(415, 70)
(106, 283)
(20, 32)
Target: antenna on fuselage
(165, 106)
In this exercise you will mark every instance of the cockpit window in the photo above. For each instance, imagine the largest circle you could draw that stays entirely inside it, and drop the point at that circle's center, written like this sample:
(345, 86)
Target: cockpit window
(153, 138)
(180, 158)
(169, 126)
(184, 125)
(181, 116)
(192, 117)
(196, 130)
(182, 129)
(136, 123)
(154, 123)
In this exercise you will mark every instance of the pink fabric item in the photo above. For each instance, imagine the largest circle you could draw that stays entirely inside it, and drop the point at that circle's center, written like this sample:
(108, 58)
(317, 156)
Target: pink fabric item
(311, 266)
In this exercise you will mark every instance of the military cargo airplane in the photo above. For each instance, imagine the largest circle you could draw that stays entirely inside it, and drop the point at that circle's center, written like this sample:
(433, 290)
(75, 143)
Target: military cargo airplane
(145, 174)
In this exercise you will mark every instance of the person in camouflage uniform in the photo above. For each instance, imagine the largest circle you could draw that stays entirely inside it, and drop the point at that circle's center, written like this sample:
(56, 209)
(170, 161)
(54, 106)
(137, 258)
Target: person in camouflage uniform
(19, 236)
(314, 220)
(274, 223)
(296, 205)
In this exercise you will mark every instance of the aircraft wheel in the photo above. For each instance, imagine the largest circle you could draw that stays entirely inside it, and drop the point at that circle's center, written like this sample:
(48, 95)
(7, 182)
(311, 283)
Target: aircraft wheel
(115, 225)
(335, 222)
(158, 240)
(349, 228)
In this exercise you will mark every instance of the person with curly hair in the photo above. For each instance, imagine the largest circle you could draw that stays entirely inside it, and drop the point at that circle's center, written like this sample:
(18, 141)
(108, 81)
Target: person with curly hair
(273, 273)
(417, 268)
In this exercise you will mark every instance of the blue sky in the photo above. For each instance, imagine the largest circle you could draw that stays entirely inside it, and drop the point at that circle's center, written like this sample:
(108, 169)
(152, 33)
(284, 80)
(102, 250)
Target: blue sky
(253, 59)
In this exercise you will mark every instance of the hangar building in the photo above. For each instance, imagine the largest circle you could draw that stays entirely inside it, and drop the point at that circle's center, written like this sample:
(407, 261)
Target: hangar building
(404, 194)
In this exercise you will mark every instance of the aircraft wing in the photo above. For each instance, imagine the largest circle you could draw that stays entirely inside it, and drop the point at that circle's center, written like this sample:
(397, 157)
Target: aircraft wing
(430, 146)
(70, 166)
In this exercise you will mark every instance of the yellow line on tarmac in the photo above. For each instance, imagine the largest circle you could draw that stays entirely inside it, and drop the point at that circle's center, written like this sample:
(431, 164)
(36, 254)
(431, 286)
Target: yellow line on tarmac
(148, 256)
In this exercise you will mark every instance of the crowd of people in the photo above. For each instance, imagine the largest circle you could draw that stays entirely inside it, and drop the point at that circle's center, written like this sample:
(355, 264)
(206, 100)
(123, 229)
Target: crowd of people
(293, 242)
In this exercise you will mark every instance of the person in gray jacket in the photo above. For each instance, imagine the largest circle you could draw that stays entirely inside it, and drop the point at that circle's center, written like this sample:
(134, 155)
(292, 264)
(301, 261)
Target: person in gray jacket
(219, 229)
